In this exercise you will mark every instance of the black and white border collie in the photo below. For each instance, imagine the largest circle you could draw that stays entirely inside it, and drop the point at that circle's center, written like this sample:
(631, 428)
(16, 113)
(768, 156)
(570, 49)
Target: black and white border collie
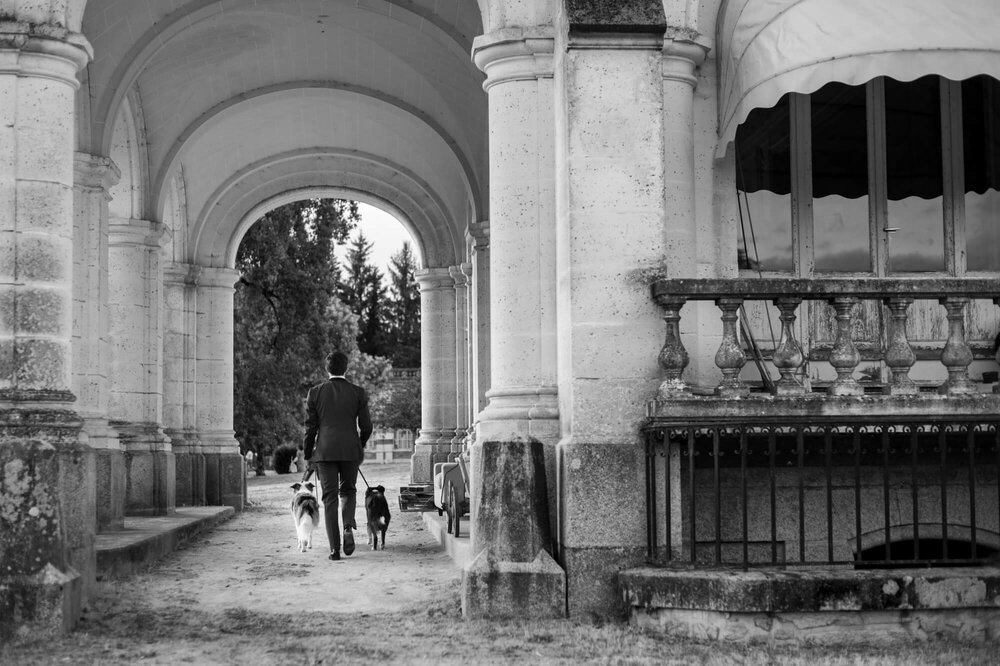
(377, 510)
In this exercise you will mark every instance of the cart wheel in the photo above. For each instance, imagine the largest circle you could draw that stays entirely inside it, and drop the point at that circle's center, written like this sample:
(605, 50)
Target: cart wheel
(456, 509)
(448, 508)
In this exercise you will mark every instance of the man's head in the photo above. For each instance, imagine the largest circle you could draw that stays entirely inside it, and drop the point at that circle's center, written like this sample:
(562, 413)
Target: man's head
(336, 363)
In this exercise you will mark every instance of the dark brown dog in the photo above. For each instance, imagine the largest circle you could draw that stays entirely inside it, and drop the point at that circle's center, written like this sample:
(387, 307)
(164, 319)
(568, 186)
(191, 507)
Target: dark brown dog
(377, 509)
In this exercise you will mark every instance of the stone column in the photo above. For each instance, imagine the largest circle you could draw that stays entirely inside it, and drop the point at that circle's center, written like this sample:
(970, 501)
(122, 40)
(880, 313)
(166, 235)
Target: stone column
(93, 178)
(47, 486)
(438, 415)
(460, 274)
(225, 480)
(513, 573)
(627, 207)
(480, 306)
(135, 409)
(180, 301)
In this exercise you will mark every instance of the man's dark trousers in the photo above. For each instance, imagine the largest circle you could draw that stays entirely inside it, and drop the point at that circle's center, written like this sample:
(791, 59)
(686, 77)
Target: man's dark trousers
(339, 478)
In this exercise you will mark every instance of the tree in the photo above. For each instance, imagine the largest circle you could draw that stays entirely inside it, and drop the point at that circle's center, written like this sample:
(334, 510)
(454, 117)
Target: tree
(398, 405)
(404, 309)
(363, 292)
(287, 317)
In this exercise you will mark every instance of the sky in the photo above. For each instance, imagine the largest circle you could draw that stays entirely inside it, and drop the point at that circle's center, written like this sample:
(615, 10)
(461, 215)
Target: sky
(385, 233)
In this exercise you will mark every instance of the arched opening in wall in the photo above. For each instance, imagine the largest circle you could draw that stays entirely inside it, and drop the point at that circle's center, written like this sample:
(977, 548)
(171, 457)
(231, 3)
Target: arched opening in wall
(926, 552)
(316, 276)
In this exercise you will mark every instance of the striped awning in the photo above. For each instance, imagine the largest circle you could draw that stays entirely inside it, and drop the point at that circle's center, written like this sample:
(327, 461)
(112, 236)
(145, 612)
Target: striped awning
(767, 48)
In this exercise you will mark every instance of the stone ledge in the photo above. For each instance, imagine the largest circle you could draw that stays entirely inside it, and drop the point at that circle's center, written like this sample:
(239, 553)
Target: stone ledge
(459, 549)
(145, 540)
(812, 590)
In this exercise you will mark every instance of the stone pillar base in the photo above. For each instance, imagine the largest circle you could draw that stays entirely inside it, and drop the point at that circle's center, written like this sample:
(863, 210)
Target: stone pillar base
(190, 469)
(225, 480)
(424, 457)
(513, 573)
(152, 483)
(111, 484)
(509, 590)
(47, 522)
(48, 603)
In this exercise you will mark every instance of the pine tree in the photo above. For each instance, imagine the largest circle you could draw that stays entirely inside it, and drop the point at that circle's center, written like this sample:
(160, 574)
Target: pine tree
(404, 309)
(363, 292)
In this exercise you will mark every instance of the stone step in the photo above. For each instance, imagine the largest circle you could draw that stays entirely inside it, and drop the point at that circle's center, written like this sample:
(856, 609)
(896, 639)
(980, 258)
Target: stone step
(144, 540)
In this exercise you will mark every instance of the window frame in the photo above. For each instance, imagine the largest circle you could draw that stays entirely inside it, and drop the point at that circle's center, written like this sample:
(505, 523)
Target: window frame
(953, 191)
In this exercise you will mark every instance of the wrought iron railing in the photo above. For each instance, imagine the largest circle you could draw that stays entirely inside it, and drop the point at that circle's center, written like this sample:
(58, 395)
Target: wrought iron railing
(869, 492)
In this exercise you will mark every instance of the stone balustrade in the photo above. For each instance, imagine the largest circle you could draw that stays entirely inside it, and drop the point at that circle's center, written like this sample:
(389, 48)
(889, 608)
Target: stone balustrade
(843, 295)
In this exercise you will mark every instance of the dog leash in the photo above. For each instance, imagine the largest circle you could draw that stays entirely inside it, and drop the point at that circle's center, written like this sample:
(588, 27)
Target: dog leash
(363, 477)
(309, 472)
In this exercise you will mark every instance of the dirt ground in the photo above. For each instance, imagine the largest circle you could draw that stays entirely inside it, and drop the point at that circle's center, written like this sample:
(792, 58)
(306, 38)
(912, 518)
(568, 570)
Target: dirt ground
(244, 594)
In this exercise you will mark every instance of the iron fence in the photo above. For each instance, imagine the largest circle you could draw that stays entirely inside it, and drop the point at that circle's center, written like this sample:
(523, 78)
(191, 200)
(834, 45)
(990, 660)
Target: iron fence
(866, 491)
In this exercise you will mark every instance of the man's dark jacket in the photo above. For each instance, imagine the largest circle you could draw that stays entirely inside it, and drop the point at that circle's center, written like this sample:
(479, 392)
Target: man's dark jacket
(336, 411)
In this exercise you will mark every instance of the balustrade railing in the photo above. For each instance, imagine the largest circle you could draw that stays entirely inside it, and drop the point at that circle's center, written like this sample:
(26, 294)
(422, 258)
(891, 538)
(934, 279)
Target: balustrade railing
(843, 295)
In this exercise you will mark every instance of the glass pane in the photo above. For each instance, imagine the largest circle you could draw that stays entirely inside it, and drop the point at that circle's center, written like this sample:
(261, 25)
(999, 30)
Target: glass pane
(981, 133)
(840, 178)
(914, 175)
(763, 187)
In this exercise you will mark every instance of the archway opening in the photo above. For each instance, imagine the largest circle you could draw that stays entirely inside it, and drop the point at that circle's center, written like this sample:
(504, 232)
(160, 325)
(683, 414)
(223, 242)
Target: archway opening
(925, 552)
(296, 300)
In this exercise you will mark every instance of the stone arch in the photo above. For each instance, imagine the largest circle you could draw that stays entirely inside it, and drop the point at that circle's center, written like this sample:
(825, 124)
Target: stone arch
(128, 151)
(215, 236)
(292, 196)
(903, 534)
(471, 183)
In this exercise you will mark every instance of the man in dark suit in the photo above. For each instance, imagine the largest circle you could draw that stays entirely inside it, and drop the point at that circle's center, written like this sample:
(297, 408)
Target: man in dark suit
(337, 429)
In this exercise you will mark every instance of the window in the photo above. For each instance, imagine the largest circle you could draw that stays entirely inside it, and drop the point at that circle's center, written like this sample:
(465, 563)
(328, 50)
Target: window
(886, 178)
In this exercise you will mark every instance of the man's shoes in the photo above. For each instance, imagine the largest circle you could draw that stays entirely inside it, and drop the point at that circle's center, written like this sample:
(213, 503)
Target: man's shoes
(334, 554)
(348, 541)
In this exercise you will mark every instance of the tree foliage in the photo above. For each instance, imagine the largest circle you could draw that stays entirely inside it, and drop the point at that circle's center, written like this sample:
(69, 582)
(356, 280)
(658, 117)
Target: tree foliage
(288, 316)
(404, 310)
(363, 292)
(398, 405)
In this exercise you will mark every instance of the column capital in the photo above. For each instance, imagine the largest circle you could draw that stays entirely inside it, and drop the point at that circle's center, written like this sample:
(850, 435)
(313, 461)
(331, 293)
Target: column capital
(434, 279)
(515, 54)
(213, 277)
(479, 232)
(43, 51)
(180, 273)
(683, 53)
(122, 232)
(93, 172)
(460, 274)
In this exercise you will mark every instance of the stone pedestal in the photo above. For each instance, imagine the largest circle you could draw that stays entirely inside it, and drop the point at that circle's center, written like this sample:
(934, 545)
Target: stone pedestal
(190, 470)
(150, 475)
(111, 486)
(47, 519)
(513, 574)
(225, 480)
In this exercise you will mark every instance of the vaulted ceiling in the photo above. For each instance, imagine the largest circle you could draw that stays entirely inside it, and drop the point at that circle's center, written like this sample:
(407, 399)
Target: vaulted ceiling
(248, 100)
